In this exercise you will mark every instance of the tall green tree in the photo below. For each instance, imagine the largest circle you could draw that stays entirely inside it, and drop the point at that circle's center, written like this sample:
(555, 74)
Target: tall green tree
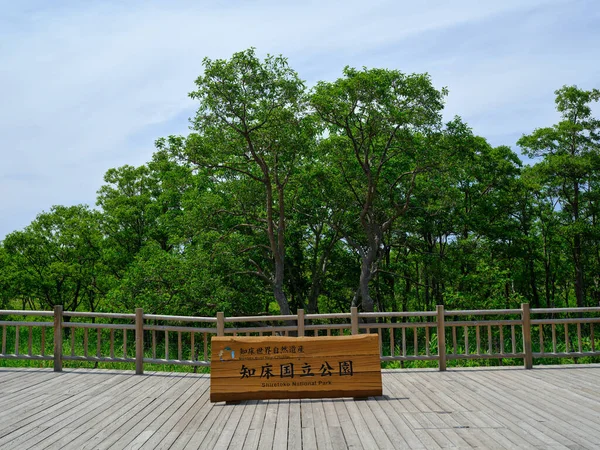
(379, 125)
(459, 213)
(57, 259)
(6, 283)
(571, 155)
(251, 130)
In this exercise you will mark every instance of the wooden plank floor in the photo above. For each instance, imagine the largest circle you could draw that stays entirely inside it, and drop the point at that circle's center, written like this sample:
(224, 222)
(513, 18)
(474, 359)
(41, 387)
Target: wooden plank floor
(547, 407)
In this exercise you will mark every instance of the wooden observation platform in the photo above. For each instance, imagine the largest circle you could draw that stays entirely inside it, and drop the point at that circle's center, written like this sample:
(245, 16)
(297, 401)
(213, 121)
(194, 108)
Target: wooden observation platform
(547, 407)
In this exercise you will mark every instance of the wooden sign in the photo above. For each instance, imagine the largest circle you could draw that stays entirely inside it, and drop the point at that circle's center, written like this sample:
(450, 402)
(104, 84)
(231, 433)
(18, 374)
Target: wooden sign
(254, 368)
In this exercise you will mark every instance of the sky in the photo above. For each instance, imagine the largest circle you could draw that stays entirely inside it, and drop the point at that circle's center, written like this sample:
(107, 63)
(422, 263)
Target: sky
(87, 86)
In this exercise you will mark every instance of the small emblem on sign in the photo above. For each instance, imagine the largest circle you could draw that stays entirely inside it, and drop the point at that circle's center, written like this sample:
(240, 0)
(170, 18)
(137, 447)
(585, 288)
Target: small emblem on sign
(223, 354)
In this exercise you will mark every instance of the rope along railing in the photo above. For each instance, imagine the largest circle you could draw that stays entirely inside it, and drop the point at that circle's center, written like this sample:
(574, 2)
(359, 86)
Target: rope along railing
(441, 335)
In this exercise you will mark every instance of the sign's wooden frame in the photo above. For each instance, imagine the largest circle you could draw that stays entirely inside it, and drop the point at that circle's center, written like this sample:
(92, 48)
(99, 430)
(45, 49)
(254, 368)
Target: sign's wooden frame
(256, 368)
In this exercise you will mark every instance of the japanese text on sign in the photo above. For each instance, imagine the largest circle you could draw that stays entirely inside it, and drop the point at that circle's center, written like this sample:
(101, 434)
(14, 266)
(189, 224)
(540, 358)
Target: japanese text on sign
(305, 370)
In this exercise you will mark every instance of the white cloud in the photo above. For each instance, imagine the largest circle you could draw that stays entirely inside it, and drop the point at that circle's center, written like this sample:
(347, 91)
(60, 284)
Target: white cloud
(86, 86)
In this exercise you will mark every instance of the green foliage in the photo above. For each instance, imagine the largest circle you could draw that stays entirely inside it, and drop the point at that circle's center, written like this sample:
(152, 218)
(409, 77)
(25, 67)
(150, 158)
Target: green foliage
(6, 282)
(352, 192)
(57, 260)
(251, 134)
(379, 125)
(569, 170)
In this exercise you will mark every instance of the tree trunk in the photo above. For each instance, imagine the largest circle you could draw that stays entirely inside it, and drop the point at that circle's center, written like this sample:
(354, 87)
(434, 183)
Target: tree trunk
(579, 287)
(407, 289)
(365, 277)
(319, 270)
(315, 285)
(533, 282)
(369, 258)
(276, 235)
(546, 272)
(278, 292)
(313, 296)
(418, 278)
(577, 259)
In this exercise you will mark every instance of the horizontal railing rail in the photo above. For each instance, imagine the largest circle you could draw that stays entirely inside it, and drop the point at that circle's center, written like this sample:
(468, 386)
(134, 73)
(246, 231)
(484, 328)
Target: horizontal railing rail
(575, 344)
(441, 335)
(16, 350)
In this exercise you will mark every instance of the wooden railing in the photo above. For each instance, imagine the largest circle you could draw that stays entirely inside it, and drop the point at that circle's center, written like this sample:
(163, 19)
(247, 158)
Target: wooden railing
(403, 336)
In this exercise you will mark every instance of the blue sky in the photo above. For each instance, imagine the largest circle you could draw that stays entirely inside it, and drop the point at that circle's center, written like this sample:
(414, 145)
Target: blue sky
(86, 86)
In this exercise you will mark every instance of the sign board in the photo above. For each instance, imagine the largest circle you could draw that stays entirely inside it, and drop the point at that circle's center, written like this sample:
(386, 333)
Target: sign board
(255, 368)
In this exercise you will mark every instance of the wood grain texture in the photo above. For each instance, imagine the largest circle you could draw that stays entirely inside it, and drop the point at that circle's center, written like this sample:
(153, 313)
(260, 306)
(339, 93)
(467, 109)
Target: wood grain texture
(256, 368)
(489, 408)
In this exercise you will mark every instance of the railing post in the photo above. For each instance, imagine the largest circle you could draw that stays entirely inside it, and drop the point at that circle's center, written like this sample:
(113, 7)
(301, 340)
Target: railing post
(220, 324)
(139, 341)
(441, 337)
(58, 344)
(354, 319)
(526, 319)
(300, 322)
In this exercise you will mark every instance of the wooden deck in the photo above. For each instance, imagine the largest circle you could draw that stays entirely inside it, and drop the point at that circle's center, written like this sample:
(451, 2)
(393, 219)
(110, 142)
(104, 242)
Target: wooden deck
(551, 407)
